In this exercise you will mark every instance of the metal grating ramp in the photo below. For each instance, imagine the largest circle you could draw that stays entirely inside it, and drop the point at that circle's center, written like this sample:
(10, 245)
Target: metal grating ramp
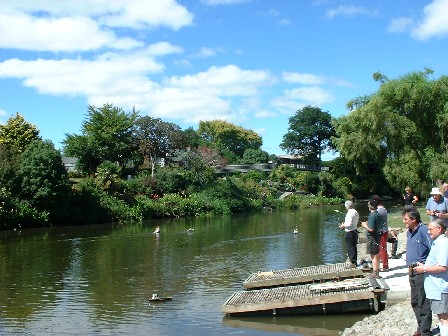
(301, 275)
(275, 299)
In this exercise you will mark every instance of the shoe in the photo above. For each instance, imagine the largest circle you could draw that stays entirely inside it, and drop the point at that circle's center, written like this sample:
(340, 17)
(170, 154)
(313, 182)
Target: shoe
(385, 269)
(395, 257)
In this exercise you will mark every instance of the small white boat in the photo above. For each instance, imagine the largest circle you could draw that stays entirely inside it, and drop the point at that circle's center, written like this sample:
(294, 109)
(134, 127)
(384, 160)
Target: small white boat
(157, 230)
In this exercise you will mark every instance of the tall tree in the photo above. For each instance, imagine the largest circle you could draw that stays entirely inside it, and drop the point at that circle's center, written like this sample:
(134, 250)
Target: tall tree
(106, 135)
(43, 179)
(18, 133)
(226, 136)
(309, 134)
(399, 128)
(156, 139)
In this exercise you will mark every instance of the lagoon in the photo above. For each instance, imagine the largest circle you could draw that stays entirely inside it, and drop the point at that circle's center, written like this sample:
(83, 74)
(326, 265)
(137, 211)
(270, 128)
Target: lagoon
(96, 280)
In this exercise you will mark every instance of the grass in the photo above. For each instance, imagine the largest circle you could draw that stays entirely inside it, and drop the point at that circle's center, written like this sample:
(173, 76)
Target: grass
(395, 220)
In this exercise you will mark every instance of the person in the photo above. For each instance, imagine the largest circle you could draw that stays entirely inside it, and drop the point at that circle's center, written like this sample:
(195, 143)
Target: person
(384, 234)
(445, 190)
(417, 249)
(392, 238)
(409, 197)
(351, 232)
(437, 205)
(373, 226)
(435, 271)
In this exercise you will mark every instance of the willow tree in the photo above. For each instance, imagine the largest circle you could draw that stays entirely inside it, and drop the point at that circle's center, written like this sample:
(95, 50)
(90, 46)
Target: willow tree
(402, 129)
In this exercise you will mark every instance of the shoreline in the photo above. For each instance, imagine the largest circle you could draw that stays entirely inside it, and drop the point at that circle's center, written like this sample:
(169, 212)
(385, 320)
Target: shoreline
(397, 318)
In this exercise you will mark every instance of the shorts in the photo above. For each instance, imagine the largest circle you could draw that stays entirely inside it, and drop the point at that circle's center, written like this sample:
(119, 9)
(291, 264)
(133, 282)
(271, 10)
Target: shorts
(440, 306)
(373, 244)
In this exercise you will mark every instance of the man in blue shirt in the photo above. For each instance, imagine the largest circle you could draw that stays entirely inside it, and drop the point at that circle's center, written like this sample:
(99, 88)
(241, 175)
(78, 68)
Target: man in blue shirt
(436, 273)
(417, 250)
(437, 205)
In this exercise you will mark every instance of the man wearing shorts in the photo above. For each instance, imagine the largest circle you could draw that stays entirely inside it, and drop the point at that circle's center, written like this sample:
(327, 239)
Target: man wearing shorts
(435, 271)
(374, 226)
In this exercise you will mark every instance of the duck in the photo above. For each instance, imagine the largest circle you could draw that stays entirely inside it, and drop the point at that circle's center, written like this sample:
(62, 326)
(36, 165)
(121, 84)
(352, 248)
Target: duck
(157, 230)
(295, 231)
(190, 230)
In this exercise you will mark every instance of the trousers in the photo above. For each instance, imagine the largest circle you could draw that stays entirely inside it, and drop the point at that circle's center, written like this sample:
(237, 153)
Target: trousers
(420, 304)
(351, 239)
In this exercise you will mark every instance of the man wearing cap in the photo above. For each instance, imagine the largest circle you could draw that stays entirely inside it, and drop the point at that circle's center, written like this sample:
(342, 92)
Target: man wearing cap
(437, 206)
(418, 245)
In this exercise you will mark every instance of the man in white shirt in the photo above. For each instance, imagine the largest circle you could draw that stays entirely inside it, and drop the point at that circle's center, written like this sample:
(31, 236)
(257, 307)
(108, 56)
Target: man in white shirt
(351, 236)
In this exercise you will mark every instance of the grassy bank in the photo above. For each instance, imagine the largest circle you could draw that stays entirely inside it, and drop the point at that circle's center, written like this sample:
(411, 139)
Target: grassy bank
(395, 220)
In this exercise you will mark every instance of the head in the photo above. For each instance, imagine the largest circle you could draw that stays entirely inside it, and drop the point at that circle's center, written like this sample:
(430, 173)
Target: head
(348, 205)
(373, 204)
(436, 228)
(436, 194)
(378, 199)
(411, 217)
(445, 186)
(408, 190)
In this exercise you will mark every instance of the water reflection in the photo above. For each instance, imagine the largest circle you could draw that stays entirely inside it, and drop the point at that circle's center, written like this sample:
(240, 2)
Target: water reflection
(97, 279)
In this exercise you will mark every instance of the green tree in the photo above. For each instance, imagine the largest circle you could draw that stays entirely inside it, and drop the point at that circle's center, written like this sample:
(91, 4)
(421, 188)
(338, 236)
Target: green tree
(18, 133)
(106, 135)
(309, 134)
(43, 179)
(157, 139)
(226, 136)
(398, 128)
(251, 156)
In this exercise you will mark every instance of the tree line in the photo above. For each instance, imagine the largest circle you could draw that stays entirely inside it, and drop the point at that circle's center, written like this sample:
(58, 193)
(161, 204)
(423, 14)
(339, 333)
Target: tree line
(389, 139)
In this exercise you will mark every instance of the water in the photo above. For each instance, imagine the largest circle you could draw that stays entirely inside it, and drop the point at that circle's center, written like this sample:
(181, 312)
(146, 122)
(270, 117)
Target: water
(96, 280)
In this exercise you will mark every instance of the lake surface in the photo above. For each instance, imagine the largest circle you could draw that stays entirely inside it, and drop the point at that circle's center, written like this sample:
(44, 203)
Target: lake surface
(96, 280)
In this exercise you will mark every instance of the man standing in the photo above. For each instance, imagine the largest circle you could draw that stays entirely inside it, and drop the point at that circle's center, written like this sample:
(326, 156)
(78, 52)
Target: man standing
(437, 205)
(351, 236)
(417, 249)
(374, 226)
(436, 273)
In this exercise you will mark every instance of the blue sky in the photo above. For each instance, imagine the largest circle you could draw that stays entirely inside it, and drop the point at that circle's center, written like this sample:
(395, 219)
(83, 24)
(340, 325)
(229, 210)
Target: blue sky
(253, 63)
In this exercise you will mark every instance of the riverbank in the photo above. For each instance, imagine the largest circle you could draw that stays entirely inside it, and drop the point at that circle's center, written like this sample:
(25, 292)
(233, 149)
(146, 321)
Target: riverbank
(398, 318)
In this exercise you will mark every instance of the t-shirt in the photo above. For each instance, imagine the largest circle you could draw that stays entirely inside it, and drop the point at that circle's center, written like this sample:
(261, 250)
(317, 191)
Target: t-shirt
(418, 244)
(437, 283)
(375, 222)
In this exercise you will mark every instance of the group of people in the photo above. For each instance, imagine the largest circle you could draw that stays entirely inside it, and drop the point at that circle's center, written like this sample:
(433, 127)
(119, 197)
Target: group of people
(426, 252)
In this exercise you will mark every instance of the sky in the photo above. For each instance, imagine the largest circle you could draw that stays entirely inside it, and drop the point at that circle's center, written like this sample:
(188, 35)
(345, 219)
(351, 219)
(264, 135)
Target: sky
(253, 63)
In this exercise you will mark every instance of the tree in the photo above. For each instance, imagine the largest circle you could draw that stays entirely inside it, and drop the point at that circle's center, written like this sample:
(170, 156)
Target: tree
(398, 129)
(156, 138)
(43, 179)
(251, 156)
(106, 135)
(226, 136)
(18, 133)
(309, 134)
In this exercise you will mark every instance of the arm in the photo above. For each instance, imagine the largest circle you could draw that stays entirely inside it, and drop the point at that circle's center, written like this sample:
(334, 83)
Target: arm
(415, 199)
(421, 268)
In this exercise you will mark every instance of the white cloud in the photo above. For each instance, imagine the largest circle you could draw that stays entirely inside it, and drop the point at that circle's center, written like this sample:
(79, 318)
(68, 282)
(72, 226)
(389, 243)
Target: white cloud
(57, 34)
(303, 78)
(399, 25)
(264, 114)
(434, 22)
(3, 114)
(82, 25)
(227, 80)
(205, 52)
(312, 95)
(349, 11)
